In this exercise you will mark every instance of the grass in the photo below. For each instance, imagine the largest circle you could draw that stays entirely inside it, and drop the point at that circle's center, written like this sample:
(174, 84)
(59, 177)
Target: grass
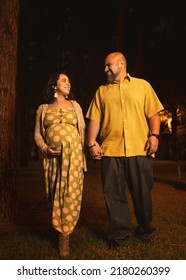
(32, 238)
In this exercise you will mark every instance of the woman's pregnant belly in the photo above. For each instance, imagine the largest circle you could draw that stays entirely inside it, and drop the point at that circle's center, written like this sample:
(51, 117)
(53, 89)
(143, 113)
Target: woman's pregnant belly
(58, 134)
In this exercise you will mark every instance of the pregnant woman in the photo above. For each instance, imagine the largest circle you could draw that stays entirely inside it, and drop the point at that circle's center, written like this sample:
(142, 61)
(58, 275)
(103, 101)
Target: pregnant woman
(59, 135)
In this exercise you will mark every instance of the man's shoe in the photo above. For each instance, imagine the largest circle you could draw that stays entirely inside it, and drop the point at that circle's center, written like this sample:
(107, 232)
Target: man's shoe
(144, 239)
(145, 236)
(115, 244)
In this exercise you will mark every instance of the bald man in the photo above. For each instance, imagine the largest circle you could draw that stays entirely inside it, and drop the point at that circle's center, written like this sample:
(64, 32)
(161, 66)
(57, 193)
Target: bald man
(125, 114)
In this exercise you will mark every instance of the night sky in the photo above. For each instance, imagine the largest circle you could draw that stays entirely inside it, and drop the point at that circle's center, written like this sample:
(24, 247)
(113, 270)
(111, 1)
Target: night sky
(77, 35)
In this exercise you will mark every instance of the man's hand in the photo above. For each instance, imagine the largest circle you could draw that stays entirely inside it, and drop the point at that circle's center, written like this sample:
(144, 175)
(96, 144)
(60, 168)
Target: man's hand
(96, 152)
(152, 145)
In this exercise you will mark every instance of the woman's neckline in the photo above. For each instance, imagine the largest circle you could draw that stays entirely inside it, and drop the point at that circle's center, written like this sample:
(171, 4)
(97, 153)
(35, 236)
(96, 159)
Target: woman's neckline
(56, 106)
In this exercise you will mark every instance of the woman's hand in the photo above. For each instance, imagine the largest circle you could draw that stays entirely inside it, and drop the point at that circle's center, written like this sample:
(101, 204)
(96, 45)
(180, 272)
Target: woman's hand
(96, 152)
(53, 151)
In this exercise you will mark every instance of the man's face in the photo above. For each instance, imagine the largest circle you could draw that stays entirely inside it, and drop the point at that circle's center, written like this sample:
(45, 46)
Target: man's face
(112, 68)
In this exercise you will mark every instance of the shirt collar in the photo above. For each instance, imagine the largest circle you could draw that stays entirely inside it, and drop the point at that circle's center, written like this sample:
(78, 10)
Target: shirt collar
(127, 77)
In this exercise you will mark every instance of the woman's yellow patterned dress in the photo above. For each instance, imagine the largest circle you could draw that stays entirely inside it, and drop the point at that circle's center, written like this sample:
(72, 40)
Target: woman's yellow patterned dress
(64, 174)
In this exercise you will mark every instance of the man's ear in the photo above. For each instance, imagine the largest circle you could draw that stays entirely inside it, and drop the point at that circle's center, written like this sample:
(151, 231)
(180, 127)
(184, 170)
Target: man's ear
(121, 64)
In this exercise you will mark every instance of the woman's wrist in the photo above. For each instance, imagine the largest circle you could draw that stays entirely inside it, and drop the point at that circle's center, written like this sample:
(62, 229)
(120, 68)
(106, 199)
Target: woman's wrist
(45, 149)
(91, 146)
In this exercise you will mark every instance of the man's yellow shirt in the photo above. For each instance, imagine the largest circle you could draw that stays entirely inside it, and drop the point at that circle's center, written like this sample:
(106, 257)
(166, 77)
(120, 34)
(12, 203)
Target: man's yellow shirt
(123, 111)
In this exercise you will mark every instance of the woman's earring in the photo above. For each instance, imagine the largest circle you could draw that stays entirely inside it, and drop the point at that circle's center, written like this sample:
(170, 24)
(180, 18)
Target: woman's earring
(55, 93)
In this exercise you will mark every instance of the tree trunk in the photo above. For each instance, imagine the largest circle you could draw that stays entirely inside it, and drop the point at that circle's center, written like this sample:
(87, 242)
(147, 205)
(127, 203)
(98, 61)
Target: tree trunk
(140, 41)
(9, 12)
(75, 47)
(174, 132)
(122, 7)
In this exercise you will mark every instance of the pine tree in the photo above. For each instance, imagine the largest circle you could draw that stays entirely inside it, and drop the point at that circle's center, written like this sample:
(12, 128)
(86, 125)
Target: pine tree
(9, 13)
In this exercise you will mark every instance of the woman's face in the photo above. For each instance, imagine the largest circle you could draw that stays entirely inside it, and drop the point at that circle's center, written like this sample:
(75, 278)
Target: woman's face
(63, 85)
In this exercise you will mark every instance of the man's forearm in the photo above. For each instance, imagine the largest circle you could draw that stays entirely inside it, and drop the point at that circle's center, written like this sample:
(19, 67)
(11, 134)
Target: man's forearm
(154, 123)
(93, 130)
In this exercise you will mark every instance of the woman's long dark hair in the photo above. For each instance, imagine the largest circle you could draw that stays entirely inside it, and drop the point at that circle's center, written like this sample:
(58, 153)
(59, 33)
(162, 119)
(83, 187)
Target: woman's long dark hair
(49, 91)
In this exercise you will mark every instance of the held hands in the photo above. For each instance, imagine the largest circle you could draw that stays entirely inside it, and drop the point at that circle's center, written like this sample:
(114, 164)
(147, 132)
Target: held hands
(152, 145)
(96, 151)
(52, 151)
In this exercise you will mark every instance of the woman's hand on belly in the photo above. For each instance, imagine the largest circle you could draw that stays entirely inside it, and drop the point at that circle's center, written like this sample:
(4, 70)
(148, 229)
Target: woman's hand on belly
(53, 151)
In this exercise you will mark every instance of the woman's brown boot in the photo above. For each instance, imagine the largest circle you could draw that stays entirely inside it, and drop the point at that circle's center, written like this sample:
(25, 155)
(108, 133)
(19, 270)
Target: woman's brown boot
(64, 245)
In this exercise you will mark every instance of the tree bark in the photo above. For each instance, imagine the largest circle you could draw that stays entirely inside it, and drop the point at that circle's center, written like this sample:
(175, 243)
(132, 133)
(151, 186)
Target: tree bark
(174, 132)
(9, 13)
(122, 8)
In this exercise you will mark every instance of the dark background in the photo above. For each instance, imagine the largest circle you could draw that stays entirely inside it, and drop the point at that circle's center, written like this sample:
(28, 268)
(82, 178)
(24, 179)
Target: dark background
(77, 35)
